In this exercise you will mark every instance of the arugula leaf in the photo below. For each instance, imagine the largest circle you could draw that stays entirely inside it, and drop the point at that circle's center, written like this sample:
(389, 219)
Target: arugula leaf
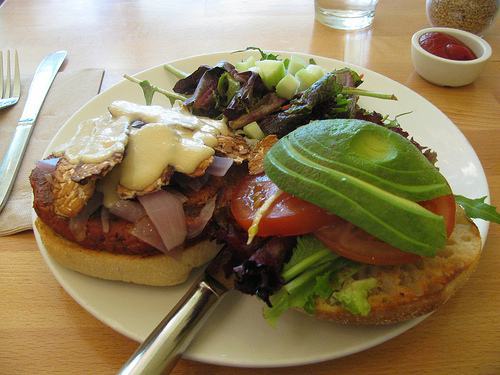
(394, 122)
(149, 90)
(263, 55)
(361, 92)
(478, 209)
(177, 72)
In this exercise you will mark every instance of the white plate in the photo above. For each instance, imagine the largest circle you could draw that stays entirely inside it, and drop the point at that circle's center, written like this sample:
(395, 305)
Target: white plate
(236, 334)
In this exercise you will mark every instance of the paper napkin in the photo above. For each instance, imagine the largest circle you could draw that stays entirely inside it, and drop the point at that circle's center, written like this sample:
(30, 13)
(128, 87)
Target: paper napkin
(69, 91)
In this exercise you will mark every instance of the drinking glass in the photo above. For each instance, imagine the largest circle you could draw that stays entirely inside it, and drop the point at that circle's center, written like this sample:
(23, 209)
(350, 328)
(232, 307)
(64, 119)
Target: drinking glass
(345, 14)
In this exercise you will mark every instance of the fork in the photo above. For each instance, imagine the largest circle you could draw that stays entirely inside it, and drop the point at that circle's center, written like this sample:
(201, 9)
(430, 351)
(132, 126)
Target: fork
(10, 85)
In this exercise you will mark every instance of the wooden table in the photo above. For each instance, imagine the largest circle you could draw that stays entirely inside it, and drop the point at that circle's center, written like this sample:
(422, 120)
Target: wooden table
(44, 331)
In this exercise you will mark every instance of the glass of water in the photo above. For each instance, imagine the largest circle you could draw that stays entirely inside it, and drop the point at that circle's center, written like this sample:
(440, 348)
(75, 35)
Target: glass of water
(345, 14)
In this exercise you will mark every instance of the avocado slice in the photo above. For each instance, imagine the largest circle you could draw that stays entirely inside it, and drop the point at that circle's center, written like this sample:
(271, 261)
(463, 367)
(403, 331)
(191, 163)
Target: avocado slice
(366, 174)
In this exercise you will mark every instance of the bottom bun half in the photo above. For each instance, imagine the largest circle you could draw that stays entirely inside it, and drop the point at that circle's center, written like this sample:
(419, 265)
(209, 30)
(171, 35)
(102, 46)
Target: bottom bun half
(156, 270)
(415, 289)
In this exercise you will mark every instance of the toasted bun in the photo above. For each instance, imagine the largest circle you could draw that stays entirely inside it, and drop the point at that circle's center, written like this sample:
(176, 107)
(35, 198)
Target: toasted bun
(158, 270)
(415, 289)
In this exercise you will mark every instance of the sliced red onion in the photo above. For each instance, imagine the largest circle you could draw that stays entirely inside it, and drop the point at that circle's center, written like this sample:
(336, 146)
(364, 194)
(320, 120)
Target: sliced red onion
(177, 193)
(145, 230)
(220, 166)
(47, 165)
(202, 219)
(166, 212)
(128, 210)
(78, 224)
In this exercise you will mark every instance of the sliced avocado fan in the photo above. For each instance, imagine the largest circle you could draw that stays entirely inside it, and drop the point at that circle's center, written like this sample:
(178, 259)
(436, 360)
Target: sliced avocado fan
(366, 174)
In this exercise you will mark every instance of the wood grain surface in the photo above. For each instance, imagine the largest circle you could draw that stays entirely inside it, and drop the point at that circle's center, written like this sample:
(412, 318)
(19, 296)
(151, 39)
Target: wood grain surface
(44, 331)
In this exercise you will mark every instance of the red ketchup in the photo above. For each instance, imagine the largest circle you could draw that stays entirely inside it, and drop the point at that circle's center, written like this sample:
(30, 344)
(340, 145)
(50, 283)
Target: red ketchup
(446, 46)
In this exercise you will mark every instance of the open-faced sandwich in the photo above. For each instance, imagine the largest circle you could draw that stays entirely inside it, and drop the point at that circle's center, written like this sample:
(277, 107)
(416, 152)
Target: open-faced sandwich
(325, 207)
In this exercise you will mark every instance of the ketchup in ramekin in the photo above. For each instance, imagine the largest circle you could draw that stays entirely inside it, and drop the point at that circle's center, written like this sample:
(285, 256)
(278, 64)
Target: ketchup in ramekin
(446, 46)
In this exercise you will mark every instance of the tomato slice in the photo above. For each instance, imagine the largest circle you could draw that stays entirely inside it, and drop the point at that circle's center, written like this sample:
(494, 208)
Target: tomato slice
(287, 216)
(443, 206)
(292, 216)
(354, 243)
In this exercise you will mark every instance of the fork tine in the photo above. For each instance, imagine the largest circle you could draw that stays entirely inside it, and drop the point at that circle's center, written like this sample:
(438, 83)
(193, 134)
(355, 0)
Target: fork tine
(16, 90)
(2, 87)
(8, 84)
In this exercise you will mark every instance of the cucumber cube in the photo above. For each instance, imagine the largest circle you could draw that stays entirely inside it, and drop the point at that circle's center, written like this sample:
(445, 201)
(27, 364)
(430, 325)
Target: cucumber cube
(256, 69)
(316, 70)
(243, 66)
(254, 131)
(309, 75)
(271, 71)
(251, 61)
(295, 64)
(305, 79)
(288, 86)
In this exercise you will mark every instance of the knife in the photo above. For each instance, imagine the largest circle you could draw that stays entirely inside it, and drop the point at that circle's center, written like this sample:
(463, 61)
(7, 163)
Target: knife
(42, 80)
(159, 353)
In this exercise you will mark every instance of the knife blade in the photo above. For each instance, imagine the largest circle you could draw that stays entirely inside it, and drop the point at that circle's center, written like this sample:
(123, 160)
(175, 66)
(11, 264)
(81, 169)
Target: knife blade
(42, 80)
(159, 353)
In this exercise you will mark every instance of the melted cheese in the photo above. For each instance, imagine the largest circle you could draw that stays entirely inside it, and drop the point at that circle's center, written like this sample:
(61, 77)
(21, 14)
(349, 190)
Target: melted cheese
(171, 137)
(96, 140)
(168, 137)
(107, 186)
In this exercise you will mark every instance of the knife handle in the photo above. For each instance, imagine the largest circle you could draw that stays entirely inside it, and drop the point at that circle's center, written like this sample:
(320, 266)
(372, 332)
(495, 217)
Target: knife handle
(12, 160)
(159, 353)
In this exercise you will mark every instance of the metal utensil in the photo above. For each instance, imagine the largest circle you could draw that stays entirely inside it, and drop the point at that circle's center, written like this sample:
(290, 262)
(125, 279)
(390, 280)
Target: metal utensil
(40, 85)
(10, 86)
(159, 353)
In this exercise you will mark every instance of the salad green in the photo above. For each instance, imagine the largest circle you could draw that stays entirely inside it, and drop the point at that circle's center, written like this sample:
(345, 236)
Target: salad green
(287, 76)
(150, 89)
(478, 209)
(315, 270)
